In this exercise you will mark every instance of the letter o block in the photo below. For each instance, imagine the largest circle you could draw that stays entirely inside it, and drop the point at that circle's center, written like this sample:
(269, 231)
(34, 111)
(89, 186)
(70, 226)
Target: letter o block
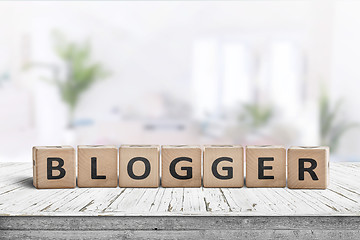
(54, 167)
(97, 166)
(265, 166)
(139, 166)
(181, 166)
(308, 167)
(223, 166)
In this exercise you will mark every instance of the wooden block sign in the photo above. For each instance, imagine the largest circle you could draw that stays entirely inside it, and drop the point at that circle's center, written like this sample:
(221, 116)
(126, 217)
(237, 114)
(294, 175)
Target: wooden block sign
(181, 166)
(139, 166)
(265, 166)
(308, 167)
(54, 167)
(97, 166)
(223, 166)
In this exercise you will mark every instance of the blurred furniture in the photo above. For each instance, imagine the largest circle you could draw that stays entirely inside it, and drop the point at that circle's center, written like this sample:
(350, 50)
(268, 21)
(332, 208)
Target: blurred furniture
(138, 132)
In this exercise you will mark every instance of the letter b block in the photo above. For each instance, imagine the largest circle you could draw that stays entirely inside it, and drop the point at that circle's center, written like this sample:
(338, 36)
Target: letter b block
(139, 166)
(308, 167)
(181, 166)
(223, 166)
(97, 166)
(265, 166)
(54, 167)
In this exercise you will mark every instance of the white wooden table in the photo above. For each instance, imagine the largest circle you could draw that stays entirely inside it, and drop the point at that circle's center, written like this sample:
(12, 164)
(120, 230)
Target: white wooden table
(177, 212)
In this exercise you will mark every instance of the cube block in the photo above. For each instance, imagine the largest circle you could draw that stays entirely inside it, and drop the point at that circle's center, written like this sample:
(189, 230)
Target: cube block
(308, 167)
(139, 166)
(54, 167)
(181, 166)
(265, 166)
(223, 166)
(97, 166)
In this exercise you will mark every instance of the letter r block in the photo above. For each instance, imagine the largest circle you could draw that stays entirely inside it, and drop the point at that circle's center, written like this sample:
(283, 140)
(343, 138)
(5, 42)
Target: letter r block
(181, 166)
(97, 166)
(54, 167)
(308, 167)
(265, 166)
(223, 166)
(139, 166)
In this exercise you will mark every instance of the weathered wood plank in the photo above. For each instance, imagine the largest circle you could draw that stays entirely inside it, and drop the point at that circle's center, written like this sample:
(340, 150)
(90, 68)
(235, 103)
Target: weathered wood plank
(205, 234)
(162, 223)
(19, 197)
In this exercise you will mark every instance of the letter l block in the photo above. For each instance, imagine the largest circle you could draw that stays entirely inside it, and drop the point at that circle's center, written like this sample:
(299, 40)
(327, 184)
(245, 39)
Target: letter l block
(54, 167)
(97, 166)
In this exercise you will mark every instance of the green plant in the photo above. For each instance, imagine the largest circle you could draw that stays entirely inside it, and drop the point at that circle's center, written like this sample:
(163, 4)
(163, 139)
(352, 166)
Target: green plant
(81, 72)
(256, 115)
(332, 123)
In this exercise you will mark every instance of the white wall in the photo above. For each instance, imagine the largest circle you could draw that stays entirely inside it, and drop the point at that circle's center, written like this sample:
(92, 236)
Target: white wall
(345, 81)
(148, 46)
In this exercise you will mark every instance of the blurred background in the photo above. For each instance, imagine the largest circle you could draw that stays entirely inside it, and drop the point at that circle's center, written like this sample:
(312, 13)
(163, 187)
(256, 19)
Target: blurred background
(180, 72)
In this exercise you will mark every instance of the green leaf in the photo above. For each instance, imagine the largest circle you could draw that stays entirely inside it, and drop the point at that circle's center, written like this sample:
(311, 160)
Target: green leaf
(82, 72)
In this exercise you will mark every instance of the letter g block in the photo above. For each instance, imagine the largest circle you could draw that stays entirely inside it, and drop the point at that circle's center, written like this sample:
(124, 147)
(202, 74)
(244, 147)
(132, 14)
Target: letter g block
(223, 166)
(54, 167)
(181, 166)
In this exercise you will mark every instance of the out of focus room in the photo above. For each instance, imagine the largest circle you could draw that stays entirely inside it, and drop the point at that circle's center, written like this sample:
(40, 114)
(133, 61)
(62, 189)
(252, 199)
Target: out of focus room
(180, 72)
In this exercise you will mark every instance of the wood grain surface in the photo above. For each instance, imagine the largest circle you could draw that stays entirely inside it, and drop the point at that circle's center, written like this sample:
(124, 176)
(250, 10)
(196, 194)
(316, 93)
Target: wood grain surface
(181, 227)
(19, 197)
(106, 166)
(320, 155)
(40, 161)
(233, 153)
(179, 213)
(276, 168)
(151, 154)
(171, 152)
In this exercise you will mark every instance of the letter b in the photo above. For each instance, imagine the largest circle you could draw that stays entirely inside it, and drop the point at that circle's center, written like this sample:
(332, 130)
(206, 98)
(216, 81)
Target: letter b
(54, 167)
(59, 168)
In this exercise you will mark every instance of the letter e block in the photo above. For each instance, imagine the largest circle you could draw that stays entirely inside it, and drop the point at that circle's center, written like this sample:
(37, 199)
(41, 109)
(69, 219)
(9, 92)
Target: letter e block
(181, 166)
(223, 166)
(97, 166)
(139, 166)
(54, 167)
(265, 166)
(308, 167)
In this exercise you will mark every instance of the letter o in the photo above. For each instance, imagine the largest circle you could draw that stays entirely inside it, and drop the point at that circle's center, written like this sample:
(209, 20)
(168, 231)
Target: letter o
(131, 164)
